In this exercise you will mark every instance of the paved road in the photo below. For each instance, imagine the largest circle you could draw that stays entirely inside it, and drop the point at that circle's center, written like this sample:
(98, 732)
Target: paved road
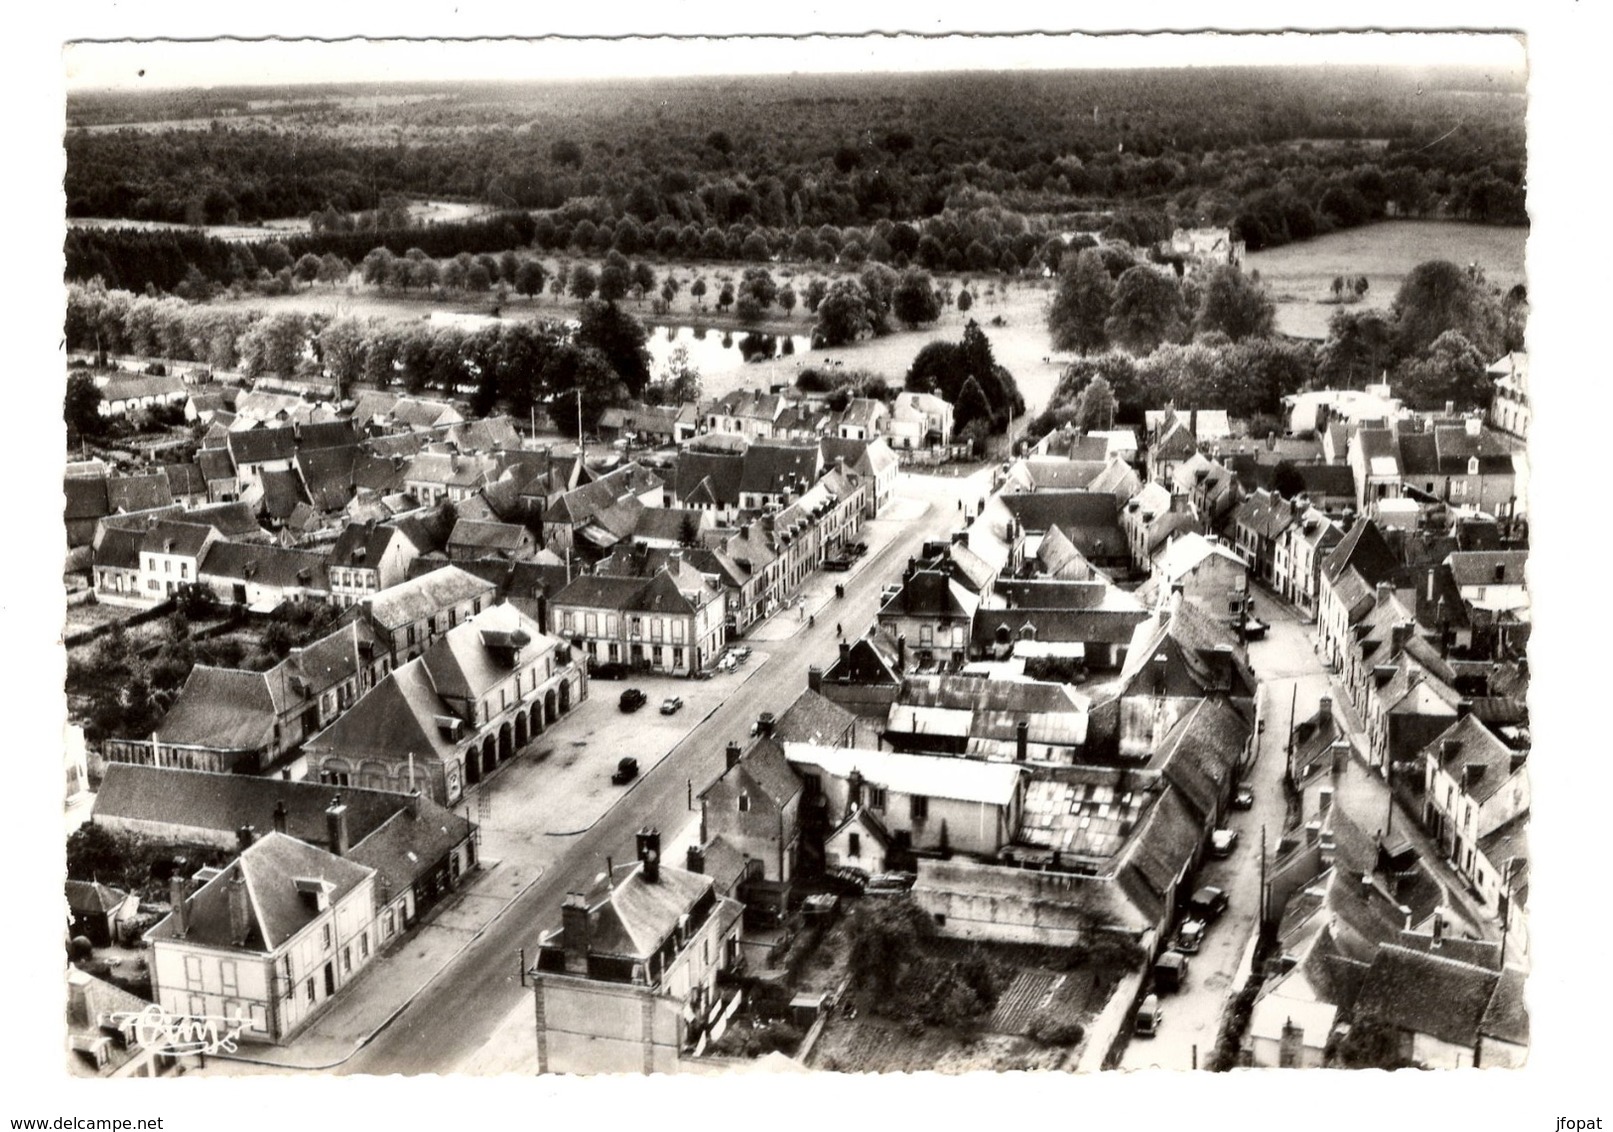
(1286, 665)
(461, 1011)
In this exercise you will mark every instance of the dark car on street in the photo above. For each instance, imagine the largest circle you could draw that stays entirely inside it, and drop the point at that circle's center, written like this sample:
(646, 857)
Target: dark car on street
(1244, 799)
(611, 670)
(632, 699)
(1207, 904)
(626, 770)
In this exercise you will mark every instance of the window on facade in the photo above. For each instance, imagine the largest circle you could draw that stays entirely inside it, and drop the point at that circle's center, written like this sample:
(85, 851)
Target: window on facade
(919, 808)
(591, 624)
(193, 971)
(227, 976)
(876, 797)
(854, 844)
(364, 945)
(184, 569)
(677, 658)
(311, 991)
(167, 566)
(926, 635)
(391, 923)
(744, 802)
(347, 960)
(328, 936)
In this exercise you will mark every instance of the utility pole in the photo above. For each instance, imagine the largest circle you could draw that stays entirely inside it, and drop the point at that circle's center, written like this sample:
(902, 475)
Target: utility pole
(1261, 908)
(1293, 707)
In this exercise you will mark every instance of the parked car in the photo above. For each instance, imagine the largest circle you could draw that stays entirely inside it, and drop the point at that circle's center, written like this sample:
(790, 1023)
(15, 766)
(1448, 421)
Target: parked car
(858, 549)
(889, 591)
(1170, 972)
(1190, 936)
(671, 705)
(1244, 798)
(764, 722)
(1254, 630)
(838, 562)
(1207, 904)
(727, 663)
(1149, 1016)
(1223, 842)
(632, 699)
(610, 670)
(740, 653)
(626, 771)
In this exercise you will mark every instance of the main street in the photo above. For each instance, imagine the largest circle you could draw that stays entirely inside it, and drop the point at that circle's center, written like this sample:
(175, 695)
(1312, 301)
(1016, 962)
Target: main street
(460, 1011)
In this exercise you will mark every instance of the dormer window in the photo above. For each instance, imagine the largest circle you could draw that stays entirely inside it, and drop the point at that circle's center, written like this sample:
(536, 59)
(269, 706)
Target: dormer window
(1472, 465)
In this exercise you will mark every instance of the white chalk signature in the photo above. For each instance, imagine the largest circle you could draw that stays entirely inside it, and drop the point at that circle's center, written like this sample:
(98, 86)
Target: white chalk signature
(155, 1028)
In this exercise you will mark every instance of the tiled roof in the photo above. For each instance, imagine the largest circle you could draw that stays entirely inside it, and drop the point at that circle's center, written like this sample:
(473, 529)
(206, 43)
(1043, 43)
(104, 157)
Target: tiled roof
(94, 897)
(266, 564)
(271, 868)
(138, 493)
(222, 709)
(770, 466)
(716, 474)
(426, 596)
(931, 776)
(1365, 550)
(634, 917)
(400, 715)
(812, 719)
(86, 498)
(173, 537)
(471, 534)
(1426, 994)
(469, 660)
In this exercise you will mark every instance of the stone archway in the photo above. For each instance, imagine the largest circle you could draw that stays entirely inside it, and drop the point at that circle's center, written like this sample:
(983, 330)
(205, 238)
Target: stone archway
(565, 697)
(549, 712)
(521, 735)
(473, 766)
(506, 743)
(535, 720)
(489, 754)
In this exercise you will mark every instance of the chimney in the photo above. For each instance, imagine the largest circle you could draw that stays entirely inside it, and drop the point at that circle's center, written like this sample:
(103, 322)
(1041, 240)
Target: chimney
(178, 893)
(414, 802)
(901, 653)
(240, 907)
(1439, 932)
(1474, 425)
(1271, 442)
(574, 933)
(845, 652)
(1324, 801)
(244, 837)
(815, 678)
(697, 859)
(960, 538)
(1464, 708)
(649, 854)
(1324, 710)
(1398, 636)
(1341, 756)
(1431, 582)
(732, 754)
(1022, 731)
(336, 826)
(280, 816)
(1313, 832)
(1385, 592)
(1450, 408)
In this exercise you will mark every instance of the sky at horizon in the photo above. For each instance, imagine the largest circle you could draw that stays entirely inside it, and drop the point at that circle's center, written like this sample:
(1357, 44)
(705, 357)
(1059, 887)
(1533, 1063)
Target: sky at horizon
(171, 63)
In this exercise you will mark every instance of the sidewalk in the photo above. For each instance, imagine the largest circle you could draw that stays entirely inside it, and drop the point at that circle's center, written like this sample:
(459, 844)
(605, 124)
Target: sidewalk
(382, 991)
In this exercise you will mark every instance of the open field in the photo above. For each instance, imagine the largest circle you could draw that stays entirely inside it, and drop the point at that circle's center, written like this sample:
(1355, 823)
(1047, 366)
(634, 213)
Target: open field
(1301, 274)
(1021, 344)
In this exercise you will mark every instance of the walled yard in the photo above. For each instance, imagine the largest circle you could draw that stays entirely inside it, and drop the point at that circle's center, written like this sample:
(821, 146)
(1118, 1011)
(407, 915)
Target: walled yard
(1039, 1002)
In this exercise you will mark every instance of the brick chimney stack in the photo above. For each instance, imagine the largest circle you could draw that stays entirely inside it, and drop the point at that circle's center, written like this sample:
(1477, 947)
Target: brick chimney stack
(336, 826)
(178, 893)
(280, 816)
(240, 907)
(731, 755)
(649, 854)
(574, 933)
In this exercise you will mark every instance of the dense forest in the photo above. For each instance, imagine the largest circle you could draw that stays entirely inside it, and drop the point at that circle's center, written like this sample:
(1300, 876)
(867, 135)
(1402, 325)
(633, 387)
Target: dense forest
(816, 166)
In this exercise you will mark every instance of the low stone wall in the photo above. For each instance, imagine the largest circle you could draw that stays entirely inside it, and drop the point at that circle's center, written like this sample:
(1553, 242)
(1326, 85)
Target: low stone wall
(970, 900)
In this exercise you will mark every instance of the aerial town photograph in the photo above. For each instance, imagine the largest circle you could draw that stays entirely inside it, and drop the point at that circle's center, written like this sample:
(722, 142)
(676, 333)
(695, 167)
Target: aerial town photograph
(769, 568)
